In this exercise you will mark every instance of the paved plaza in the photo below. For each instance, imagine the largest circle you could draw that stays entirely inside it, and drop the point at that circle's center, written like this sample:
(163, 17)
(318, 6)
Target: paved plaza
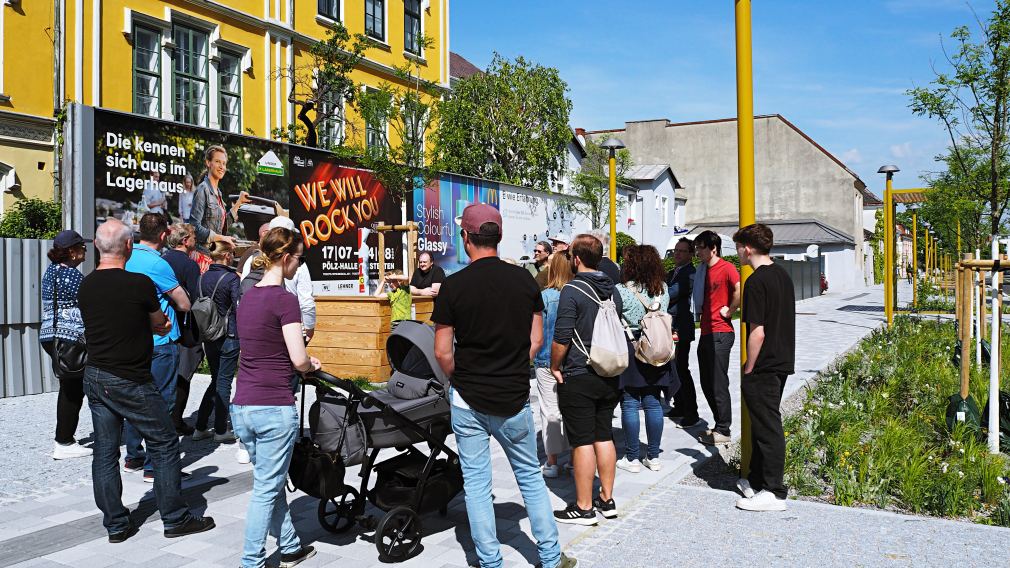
(48, 516)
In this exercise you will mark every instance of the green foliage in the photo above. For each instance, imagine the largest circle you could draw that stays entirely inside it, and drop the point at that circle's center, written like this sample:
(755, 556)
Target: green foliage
(623, 240)
(970, 98)
(508, 124)
(872, 431)
(876, 241)
(32, 219)
(669, 263)
(591, 184)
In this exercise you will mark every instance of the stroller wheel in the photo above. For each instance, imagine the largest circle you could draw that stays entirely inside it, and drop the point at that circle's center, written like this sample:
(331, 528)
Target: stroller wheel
(338, 513)
(398, 536)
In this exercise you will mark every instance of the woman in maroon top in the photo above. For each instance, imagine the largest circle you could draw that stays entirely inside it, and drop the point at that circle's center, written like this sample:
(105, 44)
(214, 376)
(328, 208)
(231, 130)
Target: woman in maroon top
(263, 411)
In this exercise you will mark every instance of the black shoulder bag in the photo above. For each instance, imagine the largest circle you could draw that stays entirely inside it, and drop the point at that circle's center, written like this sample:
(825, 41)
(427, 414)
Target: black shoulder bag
(69, 357)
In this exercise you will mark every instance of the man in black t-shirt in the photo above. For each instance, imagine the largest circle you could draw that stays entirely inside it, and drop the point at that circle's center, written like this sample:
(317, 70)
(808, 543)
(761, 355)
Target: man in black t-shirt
(490, 374)
(181, 242)
(428, 277)
(769, 311)
(120, 310)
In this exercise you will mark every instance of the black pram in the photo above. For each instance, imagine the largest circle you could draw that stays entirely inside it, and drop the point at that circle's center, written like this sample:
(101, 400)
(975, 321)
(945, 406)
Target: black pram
(348, 429)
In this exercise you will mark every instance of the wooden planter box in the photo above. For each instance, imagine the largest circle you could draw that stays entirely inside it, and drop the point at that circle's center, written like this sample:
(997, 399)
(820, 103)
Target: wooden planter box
(351, 333)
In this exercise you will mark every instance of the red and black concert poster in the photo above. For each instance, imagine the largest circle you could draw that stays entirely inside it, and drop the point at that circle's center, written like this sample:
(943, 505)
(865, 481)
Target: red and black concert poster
(335, 209)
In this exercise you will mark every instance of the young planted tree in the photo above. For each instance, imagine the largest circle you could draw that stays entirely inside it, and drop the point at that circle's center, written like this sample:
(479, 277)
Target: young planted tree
(591, 184)
(322, 87)
(971, 99)
(509, 123)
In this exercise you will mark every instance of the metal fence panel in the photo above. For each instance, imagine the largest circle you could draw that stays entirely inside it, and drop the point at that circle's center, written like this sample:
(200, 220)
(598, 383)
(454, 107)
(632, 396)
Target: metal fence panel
(26, 367)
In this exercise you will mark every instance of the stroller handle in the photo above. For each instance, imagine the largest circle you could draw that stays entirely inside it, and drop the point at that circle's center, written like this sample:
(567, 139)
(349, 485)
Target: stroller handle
(320, 378)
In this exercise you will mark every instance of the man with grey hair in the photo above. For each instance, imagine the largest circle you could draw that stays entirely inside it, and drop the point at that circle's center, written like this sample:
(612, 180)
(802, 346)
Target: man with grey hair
(607, 264)
(121, 310)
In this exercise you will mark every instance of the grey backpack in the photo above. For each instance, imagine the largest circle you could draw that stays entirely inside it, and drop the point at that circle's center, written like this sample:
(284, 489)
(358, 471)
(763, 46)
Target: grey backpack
(212, 324)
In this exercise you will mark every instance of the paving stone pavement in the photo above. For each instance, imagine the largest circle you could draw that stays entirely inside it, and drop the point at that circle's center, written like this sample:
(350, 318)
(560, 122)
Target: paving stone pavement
(45, 522)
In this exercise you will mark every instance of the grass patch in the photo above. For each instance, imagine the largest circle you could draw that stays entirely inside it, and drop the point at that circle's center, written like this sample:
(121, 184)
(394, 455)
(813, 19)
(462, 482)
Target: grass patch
(872, 432)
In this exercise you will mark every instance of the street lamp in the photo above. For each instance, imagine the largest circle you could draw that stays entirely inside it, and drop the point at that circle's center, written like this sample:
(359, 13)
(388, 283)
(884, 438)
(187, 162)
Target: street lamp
(613, 145)
(888, 243)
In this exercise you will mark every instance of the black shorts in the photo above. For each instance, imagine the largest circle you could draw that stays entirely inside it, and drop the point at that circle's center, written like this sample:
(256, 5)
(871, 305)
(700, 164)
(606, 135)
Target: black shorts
(587, 404)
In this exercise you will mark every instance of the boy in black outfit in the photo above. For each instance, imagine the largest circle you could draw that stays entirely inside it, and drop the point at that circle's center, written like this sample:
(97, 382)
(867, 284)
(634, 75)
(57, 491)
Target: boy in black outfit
(769, 310)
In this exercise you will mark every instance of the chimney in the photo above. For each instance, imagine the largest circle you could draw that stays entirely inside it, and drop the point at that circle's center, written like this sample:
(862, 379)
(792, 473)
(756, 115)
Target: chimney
(580, 132)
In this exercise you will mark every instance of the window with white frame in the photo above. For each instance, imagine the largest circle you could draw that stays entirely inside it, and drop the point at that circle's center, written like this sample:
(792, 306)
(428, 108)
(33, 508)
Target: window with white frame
(330, 9)
(330, 128)
(146, 71)
(191, 85)
(375, 132)
(229, 73)
(412, 26)
(375, 19)
(664, 206)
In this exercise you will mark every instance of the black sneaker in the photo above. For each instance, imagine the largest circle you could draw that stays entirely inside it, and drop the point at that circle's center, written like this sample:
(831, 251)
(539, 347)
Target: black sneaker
(118, 537)
(131, 465)
(573, 515)
(688, 422)
(184, 429)
(192, 526)
(606, 508)
(296, 558)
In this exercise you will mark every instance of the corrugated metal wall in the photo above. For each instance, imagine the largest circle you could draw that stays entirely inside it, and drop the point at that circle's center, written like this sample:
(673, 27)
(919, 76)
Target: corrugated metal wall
(26, 367)
(806, 276)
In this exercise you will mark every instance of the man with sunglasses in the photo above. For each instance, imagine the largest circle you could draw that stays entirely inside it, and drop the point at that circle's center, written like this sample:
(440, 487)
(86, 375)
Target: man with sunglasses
(680, 282)
(301, 284)
(541, 251)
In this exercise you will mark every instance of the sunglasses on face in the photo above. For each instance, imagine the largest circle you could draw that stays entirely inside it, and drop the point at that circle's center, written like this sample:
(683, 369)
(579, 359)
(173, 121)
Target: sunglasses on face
(301, 259)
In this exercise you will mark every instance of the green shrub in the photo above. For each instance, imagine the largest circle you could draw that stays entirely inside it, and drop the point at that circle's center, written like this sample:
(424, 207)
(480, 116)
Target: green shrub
(32, 219)
(623, 240)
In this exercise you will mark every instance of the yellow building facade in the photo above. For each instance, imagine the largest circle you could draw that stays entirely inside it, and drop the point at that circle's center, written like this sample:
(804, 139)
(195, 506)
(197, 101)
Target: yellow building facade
(220, 64)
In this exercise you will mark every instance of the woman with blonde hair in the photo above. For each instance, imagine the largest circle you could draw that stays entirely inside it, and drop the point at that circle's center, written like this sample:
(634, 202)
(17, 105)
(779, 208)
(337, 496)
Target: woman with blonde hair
(559, 273)
(222, 286)
(208, 213)
(263, 412)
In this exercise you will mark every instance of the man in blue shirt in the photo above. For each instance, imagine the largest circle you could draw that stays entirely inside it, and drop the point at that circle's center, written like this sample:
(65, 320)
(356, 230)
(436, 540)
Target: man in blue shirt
(146, 259)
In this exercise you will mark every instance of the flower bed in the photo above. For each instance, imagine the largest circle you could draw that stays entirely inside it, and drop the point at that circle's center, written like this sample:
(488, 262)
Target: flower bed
(872, 431)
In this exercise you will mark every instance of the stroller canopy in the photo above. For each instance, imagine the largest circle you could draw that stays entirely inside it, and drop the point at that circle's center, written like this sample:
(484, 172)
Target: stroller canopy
(411, 350)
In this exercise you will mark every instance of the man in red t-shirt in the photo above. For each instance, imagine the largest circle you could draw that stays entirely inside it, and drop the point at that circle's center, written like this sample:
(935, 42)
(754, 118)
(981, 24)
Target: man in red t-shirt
(721, 300)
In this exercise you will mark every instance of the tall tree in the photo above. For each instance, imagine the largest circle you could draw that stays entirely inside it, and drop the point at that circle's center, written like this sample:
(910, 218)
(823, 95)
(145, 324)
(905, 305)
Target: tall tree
(509, 123)
(323, 84)
(971, 99)
(591, 184)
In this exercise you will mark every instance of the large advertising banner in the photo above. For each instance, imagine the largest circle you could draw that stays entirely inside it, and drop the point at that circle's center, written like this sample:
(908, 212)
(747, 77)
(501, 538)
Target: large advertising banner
(145, 165)
(335, 208)
(527, 217)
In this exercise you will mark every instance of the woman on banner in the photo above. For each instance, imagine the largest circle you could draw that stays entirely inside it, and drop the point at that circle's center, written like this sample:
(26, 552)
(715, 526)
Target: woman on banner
(208, 214)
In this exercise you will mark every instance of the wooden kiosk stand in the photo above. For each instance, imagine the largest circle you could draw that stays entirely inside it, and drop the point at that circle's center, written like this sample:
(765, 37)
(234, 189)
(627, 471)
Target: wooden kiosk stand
(351, 331)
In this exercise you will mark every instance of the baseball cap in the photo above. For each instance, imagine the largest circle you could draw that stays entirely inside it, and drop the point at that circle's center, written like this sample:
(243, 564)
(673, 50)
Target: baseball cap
(282, 222)
(560, 238)
(475, 215)
(69, 238)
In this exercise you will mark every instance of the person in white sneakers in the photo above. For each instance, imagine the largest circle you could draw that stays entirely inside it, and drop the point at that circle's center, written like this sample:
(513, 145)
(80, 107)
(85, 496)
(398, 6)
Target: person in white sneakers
(769, 312)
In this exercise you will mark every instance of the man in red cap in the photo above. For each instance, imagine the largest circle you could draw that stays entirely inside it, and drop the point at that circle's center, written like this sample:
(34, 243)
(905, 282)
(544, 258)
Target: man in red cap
(490, 373)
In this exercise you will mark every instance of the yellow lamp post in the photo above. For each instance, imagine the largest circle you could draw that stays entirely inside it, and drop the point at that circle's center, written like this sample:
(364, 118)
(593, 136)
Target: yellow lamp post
(745, 178)
(613, 145)
(888, 243)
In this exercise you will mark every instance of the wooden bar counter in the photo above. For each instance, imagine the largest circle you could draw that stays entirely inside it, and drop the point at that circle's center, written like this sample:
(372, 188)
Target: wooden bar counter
(351, 333)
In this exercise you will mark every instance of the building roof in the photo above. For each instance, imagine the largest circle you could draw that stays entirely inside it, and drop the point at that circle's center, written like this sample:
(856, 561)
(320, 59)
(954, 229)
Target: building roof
(651, 172)
(460, 68)
(796, 232)
(869, 199)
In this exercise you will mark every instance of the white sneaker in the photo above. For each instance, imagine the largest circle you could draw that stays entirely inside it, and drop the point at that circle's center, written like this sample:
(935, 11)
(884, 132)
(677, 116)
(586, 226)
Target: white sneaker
(627, 465)
(202, 434)
(652, 464)
(75, 450)
(551, 471)
(241, 454)
(763, 501)
(743, 486)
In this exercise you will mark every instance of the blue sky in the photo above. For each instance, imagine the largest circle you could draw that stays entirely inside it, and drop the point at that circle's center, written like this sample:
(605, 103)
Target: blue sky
(837, 69)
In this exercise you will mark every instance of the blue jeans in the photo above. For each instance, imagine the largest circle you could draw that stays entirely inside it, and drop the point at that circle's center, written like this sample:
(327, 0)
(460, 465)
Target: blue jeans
(269, 434)
(164, 366)
(635, 399)
(112, 401)
(517, 436)
(222, 356)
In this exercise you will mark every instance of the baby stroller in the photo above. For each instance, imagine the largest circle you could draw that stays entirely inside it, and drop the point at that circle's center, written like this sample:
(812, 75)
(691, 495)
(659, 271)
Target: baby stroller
(350, 426)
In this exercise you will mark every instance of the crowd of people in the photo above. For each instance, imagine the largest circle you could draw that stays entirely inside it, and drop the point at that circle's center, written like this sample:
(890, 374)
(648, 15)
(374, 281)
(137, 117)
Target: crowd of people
(575, 325)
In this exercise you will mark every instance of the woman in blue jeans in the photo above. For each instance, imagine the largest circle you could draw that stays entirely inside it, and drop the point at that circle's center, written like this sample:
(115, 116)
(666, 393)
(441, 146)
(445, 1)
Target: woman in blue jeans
(222, 286)
(263, 412)
(643, 288)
